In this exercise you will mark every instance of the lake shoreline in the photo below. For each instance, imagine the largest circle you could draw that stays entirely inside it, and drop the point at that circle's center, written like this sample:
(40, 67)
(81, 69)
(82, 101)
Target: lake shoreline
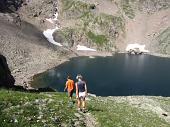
(64, 58)
(89, 54)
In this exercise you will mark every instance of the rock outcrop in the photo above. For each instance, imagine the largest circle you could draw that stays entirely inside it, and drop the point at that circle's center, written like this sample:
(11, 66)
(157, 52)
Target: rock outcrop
(6, 79)
(10, 5)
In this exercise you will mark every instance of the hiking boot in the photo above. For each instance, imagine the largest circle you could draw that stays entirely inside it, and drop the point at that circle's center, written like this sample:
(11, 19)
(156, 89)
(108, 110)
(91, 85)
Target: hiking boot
(84, 110)
(79, 109)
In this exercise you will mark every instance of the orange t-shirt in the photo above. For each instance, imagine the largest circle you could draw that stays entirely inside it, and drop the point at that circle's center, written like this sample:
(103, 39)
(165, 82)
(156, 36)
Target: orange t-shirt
(70, 84)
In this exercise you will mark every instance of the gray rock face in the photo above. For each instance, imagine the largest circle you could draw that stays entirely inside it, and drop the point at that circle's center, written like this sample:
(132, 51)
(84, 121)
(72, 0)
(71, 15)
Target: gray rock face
(10, 5)
(6, 79)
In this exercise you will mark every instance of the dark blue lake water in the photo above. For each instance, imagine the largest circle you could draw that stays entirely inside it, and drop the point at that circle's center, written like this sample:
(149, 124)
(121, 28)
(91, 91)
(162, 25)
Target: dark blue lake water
(118, 75)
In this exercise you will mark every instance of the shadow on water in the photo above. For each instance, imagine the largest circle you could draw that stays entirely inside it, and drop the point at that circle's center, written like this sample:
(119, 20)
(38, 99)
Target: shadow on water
(119, 75)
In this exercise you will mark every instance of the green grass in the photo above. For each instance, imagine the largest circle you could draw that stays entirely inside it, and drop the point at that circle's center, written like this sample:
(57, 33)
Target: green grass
(70, 5)
(120, 114)
(22, 109)
(98, 39)
(74, 8)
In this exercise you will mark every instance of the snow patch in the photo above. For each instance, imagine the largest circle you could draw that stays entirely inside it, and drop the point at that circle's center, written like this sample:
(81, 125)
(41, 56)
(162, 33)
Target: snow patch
(49, 35)
(81, 48)
(49, 32)
(136, 46)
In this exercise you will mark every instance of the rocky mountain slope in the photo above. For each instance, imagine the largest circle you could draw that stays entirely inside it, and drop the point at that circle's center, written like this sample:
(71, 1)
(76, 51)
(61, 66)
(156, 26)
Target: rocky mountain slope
(107, 26)
(111, 25)
(26, 49)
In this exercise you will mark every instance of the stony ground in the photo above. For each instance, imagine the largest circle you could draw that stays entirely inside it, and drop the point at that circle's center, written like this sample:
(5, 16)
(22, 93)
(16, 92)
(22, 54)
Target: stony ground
(26, 50)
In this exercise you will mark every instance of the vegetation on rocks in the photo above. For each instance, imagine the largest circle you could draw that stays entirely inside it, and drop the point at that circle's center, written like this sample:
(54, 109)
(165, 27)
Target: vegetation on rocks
(127, 8)
(164, 41)
(98, 39)
(74, 9)
(97, 30)
(91, 21)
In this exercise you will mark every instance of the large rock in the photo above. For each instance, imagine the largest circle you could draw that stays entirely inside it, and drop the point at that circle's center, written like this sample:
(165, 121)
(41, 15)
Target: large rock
(10, 5)
(6, 79)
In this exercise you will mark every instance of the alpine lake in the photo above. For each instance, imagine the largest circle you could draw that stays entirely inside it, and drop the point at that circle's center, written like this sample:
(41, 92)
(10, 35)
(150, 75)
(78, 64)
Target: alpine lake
(117, 75)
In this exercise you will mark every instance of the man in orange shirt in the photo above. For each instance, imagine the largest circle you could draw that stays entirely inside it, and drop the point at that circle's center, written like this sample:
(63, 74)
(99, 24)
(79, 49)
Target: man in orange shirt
(69, 86)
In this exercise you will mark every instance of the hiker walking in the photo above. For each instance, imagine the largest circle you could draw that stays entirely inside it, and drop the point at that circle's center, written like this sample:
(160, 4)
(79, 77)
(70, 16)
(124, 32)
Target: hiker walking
(81, 93)
(69, 86)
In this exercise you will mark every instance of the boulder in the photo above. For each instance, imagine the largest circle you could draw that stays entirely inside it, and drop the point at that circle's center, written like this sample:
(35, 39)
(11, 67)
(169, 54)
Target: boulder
(6, 79)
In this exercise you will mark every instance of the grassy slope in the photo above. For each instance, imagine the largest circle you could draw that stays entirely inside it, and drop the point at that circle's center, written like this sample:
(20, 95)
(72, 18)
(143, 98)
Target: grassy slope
(22, 109)
(51, 109)
(116, 111)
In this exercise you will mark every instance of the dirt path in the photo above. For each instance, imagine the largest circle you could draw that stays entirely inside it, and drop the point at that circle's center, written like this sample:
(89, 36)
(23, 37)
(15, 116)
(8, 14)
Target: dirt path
(87, 119)
(90, 120)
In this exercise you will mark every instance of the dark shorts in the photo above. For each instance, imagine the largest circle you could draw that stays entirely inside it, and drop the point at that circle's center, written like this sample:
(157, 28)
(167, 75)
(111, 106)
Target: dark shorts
(70, 93)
